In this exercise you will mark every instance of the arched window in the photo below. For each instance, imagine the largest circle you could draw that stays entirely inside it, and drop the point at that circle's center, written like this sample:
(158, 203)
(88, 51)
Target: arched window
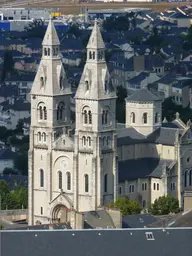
(144, 203)
(93, 55)
(120, 190)
(86, 177)
(190, 178)
(90, 117)
(40, 112)
(45, 51)
(39, 136)
(186, 178)
(85, 117)
(83, 141)
(87, 85)
(156, 117)
(45, 113)
(108, 140)
(133, 118)
(44, 136)
(104, 141)
(60, 111)
(90, 55)
(105, 183)
(145, 118)
(41, 178)
(61, 82)
(68, 174)
(106, 116)
(103, 117)
(89, 141)
(42, 81)
(49, 52)
(60, 179)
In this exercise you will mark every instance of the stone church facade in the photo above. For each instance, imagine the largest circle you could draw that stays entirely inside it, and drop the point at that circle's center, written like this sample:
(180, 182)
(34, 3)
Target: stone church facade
(86, 165)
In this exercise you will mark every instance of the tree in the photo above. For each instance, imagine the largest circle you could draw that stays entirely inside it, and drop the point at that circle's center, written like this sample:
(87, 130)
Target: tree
(188, 40)
(155, 40)
(8, 171)
(8, 65)
(4, 193)
(126, 206)
(36, 29)
(3, 131)
(74, 30)
(120, 109)
(165, 205)
(21, 163)
(20, 197)
(19, 126)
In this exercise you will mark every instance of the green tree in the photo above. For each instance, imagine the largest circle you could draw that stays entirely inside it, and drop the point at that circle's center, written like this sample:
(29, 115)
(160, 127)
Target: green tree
(36, 29)
(8, 65)
(165, 205)
(120, 102)
(4, 193)
(75, 30)
(188, 40)
(21, 163)
(126, 206)
(155, 40)
(3, 131)
(19, 126)
(8, 171)
(20, 197)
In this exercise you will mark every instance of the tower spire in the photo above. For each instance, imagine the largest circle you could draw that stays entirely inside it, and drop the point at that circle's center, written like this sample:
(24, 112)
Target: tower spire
(96, 40)
(51, 38)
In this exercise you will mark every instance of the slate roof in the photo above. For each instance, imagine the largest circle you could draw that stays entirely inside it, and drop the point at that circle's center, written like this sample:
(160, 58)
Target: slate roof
(141, 168)
(97, 242)
(142, 95)
(98, 219)
(138, 79)
(179, 15)
(138, 220)
(183, 219)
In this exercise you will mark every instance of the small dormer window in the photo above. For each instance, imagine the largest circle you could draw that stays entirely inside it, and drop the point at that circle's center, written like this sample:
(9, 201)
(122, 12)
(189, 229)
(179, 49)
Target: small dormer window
(49, 52)
(93, 55)
(90, 55)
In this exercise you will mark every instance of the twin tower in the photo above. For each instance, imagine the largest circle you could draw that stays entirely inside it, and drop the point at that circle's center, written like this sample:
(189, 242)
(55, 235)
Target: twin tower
(71, 166)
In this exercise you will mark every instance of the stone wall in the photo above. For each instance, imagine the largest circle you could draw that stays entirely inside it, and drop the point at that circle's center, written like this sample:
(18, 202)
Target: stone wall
(14, 215)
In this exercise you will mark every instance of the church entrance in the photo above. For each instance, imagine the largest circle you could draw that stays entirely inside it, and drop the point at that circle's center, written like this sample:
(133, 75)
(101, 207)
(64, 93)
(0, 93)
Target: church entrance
(60, 214)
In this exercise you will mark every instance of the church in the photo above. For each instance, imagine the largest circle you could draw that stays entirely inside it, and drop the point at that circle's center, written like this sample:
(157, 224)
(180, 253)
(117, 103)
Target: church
(85, 165)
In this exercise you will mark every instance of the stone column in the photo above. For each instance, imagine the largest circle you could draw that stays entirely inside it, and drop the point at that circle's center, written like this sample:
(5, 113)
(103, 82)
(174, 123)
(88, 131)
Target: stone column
(76, 174)
(31, 179)
(115, 167)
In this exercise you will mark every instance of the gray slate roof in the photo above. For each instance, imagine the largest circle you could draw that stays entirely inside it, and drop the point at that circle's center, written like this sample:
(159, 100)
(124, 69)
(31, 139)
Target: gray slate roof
(141, 168)
(165, 242)
(142, 95)
(163, 135)
(98, 219)
(138, 220)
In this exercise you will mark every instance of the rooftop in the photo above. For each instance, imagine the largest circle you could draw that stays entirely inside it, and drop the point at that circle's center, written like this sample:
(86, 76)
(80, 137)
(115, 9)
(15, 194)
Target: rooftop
(143, 95)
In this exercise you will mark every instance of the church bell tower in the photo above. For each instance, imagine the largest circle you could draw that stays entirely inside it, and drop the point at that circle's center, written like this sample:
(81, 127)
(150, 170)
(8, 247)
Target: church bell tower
(95, 153)
(50, 114)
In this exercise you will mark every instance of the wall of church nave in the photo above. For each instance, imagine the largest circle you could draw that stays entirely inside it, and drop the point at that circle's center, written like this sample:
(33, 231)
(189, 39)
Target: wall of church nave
(137, 190)
(62, 172)
(40, 168)
(157, 189)
(40, 209)
(172, 186)
(86, 203)
(165, 151)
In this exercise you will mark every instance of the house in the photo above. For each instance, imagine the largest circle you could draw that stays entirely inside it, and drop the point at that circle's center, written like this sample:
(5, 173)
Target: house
(180, 19)
(13, 110)
(15, 180)
(140, 81)
(6, 159)
(72, 58)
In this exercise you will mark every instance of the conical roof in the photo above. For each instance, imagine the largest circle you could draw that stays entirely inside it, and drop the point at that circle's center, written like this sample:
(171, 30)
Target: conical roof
(96, 40)
(51, 37)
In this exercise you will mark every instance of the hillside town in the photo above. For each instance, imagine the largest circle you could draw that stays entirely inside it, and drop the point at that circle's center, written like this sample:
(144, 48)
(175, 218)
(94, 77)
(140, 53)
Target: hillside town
(95, 131)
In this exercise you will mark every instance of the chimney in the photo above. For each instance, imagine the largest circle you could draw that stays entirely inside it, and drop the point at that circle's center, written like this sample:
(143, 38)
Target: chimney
(51, 226)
